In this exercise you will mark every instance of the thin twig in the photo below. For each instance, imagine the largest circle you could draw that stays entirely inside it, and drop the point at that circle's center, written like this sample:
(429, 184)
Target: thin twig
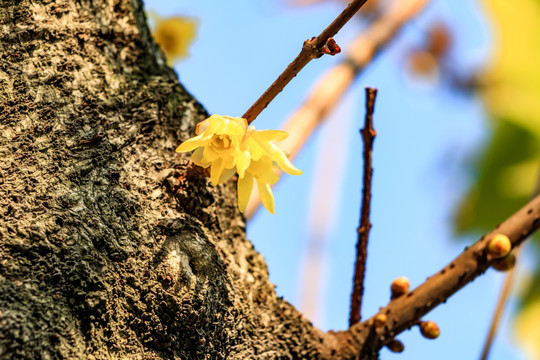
(312, 49)
(503, 298)
(405, 311)
(331, 86)
(368, 135)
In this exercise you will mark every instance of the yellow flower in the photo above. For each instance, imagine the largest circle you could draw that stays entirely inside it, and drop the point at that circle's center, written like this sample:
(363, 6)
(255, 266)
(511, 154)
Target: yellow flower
(219, 144)
(174, 35)
(265, 157)
(227, 145)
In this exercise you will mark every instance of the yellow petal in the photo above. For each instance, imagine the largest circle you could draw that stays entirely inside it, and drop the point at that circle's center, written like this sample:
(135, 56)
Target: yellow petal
(255, 149)
(197, 157)
(267, 198)
(284, 163)
(201, 127)
(209, 155)
(263, 170)
(216, 170)
(226, 175)
(226, 125)
(279, 156)
(229, 158)
(270, 135)
(244, 186)
(268, 174)
(189, 144)
(242, 162)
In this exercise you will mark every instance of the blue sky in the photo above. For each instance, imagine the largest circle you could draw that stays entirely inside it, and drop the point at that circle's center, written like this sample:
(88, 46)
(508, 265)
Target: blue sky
(426, 137)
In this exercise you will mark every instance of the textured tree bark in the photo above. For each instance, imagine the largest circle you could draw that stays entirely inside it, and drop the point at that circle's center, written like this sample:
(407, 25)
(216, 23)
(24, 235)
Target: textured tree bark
(112, 245)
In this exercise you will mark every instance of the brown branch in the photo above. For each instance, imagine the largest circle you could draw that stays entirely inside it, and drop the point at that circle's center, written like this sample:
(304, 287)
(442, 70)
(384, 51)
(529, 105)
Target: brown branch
(312, 49)
(331, 86)
(368, 135)
(405, 311)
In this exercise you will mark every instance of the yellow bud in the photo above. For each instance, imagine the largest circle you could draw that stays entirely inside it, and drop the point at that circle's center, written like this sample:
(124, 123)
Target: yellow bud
(498, 246)
(400, 286)
(379, 320)
(506, 263)
(395, 346)
(429, 329)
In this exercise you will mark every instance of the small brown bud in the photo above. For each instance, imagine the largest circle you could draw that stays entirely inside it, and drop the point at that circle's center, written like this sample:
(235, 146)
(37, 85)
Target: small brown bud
(506, 263)
(429, 329)
(400, 286)
(395, 346)
(498, 246)
(331, 47)
(379, 320)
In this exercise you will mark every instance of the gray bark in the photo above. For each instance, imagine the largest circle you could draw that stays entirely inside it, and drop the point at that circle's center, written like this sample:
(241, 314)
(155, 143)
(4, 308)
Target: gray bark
(112, 245)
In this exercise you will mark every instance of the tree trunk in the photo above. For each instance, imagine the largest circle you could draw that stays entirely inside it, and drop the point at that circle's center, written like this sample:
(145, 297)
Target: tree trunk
(113, 245)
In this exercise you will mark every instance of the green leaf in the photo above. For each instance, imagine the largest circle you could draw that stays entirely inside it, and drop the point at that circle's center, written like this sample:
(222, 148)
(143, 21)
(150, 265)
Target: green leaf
(506, 179)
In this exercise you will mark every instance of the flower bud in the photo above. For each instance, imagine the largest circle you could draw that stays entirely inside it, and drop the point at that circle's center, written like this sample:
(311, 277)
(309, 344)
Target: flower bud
(498, 246)
(400, 286)
(506, 263)
(429, 329)
(379, 320)
(395, 346)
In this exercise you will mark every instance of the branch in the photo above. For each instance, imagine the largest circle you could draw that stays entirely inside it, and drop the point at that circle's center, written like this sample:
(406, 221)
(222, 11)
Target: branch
(405, 311)
(312, 49)
(332, 85)
(368, 135)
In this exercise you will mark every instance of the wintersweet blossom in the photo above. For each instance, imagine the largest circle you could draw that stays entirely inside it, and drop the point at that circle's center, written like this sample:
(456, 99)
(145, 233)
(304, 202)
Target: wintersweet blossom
(228, 146)
(219, 144)
(265, 158)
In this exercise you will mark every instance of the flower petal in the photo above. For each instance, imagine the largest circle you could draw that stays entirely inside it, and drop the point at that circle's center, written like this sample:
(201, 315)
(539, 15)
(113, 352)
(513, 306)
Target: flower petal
(270, 135)
(263, 170)
(284, 163)
(190, 144)
(226, 175)
(197, 157)
(209, 155)
(244, 186)
(243, 160)
(267, 198)
(215, 171)
(201, 127)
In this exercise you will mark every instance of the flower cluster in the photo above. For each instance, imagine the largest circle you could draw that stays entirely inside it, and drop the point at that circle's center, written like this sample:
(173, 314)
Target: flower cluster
(228, 146)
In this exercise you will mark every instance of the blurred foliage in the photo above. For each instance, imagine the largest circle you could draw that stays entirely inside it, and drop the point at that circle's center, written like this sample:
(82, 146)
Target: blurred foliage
(174, 35)
(507, 172)
(528, 331)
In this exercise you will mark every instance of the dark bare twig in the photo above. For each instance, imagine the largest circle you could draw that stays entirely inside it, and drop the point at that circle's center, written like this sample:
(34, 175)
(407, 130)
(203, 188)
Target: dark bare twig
(312, 49)
(368, 135)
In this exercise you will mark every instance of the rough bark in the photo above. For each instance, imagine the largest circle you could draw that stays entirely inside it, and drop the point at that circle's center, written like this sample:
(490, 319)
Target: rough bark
(112, 245)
